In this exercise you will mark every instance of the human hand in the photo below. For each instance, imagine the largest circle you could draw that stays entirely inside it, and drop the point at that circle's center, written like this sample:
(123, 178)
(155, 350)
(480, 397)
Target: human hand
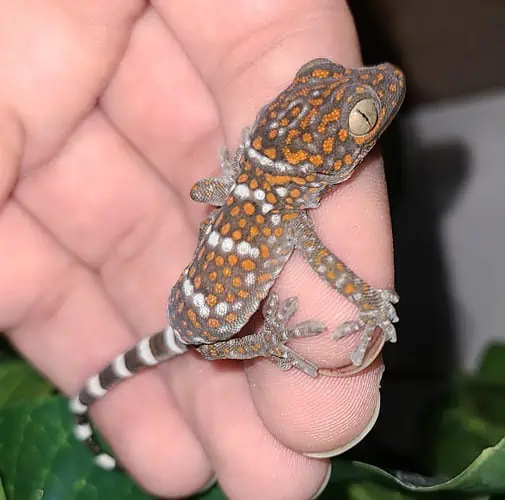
(109, 112)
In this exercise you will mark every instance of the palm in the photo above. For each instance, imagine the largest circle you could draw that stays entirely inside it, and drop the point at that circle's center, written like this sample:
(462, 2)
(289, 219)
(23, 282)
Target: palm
(108, 114)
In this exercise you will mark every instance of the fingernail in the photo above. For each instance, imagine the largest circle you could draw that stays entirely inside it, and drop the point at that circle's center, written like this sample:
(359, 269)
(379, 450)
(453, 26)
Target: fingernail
(353, 443)
(325, 482)
(208, 485)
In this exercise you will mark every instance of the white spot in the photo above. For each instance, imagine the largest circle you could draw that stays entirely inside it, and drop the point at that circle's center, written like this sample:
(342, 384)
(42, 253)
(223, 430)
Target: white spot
(105, 461)
(242, 191)
(208, 229)
(221, 309)
(198, 299)
(275, 219)
(321, 269)
(237, 306)
(169, 339)
(243, 248)
(250, 278)
(259, 194)
(254, 252)
(213, 239)
(119, 367)
(266, 208)
(281, 191)
(145, 354)
(82, 431)
(187, 288)
(227, 245)
(76, 407)
(203, 311)
(95, 388)
(341, 280)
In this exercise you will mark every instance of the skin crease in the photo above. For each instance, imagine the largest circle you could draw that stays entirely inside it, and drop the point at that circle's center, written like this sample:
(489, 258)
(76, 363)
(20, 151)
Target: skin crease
(109, 112)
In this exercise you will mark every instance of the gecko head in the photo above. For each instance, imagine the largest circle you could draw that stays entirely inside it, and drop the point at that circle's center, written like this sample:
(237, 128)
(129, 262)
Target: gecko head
(327, 120)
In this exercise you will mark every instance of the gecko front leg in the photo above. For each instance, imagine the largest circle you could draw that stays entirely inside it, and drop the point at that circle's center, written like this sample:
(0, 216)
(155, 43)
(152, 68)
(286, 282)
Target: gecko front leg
(270, 340)
(376, 309)
(215, 190)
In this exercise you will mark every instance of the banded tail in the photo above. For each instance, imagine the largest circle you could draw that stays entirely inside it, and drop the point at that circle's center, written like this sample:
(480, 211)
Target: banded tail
(147, 353)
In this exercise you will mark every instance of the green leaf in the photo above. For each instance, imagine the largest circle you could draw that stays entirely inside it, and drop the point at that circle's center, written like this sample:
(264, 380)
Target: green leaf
(39, 453)
(492, 363)
(485, 475)
(19, 382)
(2, 491)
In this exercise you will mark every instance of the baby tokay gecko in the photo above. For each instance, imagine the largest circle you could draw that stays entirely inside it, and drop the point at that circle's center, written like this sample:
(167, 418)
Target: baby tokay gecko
(303, 143)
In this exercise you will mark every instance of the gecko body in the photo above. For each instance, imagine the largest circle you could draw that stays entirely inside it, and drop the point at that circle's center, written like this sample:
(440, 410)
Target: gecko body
(310, 138)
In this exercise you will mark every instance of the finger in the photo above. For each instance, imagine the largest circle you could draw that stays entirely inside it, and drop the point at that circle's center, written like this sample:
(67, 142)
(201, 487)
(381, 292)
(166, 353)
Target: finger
(353, 223)
(249, 462)
(159, 102)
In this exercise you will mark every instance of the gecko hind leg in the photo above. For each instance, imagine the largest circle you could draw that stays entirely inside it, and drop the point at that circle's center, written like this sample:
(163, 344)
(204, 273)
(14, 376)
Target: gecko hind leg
(382, 316)
(270, 340)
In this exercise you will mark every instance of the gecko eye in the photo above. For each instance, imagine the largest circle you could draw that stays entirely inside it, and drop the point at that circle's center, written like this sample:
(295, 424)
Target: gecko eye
(363, 117)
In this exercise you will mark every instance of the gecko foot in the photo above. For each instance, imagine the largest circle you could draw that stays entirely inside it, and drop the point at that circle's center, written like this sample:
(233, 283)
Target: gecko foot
(382, 315)
(270, 341)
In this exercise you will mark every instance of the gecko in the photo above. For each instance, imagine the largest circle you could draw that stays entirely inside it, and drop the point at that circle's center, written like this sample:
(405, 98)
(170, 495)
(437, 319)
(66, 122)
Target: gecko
(303, 143)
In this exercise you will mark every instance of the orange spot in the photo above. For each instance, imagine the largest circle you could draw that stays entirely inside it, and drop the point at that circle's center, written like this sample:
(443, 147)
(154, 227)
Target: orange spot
(264, 277)
(248, 265)
(299, 180)
(242, 178)
(295, 193)
(211, 300)
(311, 177)
(226, 272)
(260, 219)
(392, 87)
(208, 257)
(270, 152)
(230, 317)
(271, 198)
(242, 223)
(230, 200)
(243, 294)
(320, 73)
(337, 165)
(273, 133)
(328, 144)
(197, 282)
(249, 208)
(232, 259)
(253, 184)
(230, 298)
(307, 137)
(349, 288)
(342, 134)
(267, 231)
(236, 235)
(219, 288)
(347, 159)
(235, 210)
(340, 266)
(265, 252)
(289, 216)
(331, 275)
(213, 276)
(295, 111)
(225, 228)
(213, 323)
(253, 231)
(278, 231)
(192, 271)
(256, 143)
(219, 260)
(236, 281)
(284, 122)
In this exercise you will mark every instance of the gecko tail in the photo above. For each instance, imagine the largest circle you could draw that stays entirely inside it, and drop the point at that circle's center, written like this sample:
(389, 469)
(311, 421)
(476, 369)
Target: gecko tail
(147, 353)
